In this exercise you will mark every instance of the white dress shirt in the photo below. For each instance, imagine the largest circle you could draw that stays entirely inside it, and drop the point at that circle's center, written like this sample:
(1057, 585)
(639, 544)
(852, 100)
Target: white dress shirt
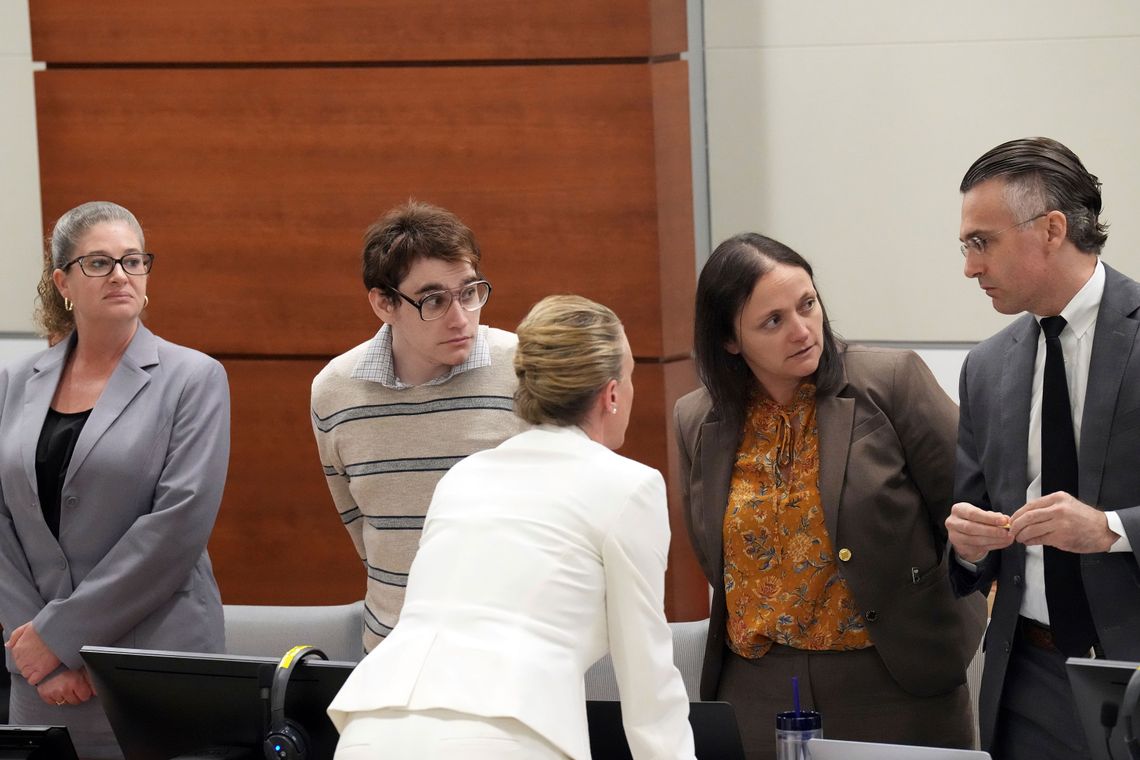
(1077, 343)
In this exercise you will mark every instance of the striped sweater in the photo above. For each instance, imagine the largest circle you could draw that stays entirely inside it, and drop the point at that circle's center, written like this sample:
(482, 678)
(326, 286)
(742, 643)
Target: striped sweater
(383, 450)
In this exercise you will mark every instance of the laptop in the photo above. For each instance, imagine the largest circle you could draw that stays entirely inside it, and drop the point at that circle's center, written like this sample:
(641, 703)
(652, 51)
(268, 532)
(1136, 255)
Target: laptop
(714, 731)
(833, 749)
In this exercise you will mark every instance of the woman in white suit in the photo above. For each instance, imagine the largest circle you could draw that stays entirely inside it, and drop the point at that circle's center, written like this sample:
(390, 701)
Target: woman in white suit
(537, 557)
(113, 452)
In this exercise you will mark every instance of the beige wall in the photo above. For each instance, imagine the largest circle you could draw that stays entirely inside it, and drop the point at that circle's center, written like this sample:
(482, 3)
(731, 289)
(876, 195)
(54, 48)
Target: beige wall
(843, 129)
(19, 172)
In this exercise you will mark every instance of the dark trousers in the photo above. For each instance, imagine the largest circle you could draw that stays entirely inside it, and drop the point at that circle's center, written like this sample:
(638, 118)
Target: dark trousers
(853, 691)
(1038, 717)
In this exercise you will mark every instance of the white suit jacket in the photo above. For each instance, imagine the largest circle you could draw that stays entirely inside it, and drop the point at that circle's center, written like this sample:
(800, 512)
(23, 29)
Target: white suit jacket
(537, 557)
(140, 496)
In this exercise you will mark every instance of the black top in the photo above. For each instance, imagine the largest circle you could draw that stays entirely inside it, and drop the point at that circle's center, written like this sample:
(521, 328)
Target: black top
(53, 455)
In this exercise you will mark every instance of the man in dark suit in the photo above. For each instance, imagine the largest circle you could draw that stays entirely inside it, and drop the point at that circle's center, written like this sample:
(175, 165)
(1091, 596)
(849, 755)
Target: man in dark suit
(1048, 472)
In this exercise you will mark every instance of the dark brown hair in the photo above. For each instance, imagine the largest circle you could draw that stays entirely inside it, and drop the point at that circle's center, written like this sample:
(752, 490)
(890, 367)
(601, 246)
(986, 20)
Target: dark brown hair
(725, 284)
(412, 231)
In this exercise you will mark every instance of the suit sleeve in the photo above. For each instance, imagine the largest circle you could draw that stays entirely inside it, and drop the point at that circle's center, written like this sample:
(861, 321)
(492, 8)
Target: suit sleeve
(925, 420)
(20, 600)
(654, 704)
(970, 487)
(153, 559)
(337, 481)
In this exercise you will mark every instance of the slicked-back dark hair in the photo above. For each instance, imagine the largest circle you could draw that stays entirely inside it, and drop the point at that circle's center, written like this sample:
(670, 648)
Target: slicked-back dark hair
(1043, 169)
(725, 284)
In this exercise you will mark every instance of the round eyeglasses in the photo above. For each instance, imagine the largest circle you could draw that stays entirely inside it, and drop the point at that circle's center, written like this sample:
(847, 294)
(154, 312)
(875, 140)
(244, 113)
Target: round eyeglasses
(101, 265)
(435, 304)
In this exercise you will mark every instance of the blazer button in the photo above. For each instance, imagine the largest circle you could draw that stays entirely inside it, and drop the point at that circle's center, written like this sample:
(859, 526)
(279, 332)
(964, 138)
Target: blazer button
(871, 616)
(72, 501)
(1017, 580)
(844, 554)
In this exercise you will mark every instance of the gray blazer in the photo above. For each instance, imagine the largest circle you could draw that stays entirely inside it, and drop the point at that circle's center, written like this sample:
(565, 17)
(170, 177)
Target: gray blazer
(139, 501)
(993, 444)
(886, 445)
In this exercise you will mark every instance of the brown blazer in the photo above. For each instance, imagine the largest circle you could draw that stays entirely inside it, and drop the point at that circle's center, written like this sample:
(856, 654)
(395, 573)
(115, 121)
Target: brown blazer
(887, 442)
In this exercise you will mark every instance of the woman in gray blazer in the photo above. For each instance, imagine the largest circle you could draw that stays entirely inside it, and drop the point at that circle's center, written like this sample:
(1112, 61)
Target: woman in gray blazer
(113, 452)
(816, 479)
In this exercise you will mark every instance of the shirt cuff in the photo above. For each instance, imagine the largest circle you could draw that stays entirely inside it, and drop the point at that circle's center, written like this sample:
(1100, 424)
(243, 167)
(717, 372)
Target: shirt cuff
(970, 565)
(1116, 525)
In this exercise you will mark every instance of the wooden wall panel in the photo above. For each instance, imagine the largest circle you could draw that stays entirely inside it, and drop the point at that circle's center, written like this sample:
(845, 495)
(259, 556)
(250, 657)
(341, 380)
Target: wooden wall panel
(133, 31)
(256, 185)
(278, 539)
(651, 439)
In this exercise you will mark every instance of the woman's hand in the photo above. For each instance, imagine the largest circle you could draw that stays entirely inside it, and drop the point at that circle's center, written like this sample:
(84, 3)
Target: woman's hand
(31, 654)
(71, 687)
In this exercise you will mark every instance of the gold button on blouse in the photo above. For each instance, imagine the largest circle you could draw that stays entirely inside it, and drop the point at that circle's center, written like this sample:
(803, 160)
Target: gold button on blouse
(844, 554)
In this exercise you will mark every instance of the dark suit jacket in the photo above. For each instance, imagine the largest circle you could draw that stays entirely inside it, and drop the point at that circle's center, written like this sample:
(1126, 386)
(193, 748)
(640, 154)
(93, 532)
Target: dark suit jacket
(139, 500)
(993, 444)
(886, 472)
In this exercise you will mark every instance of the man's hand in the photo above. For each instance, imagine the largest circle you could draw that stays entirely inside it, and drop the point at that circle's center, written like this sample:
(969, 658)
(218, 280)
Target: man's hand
(31, 654)
(975, 532)
(1059, 520)
(71, 687)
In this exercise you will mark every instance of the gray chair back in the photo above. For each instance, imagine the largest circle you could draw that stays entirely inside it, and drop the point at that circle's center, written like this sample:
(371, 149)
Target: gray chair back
(688, 656)
(271, 631)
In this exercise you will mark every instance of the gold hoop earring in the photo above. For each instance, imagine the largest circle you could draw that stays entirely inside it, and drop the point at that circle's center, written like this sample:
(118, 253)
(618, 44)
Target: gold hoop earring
(67, 305)
(146, 300)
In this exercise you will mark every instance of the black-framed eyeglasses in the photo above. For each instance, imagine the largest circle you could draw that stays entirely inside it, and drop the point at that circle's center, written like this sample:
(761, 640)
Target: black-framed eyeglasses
(101, 265)
(435, 304)
(977, 243)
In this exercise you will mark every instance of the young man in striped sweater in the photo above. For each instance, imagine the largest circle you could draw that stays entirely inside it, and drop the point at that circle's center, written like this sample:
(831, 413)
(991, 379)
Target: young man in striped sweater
(433, 386)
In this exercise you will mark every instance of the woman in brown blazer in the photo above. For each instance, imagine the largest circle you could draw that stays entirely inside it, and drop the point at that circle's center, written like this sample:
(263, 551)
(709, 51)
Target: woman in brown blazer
(817, 479)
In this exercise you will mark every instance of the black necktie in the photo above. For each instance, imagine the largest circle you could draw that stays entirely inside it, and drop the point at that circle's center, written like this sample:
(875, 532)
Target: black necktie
(1069, 616)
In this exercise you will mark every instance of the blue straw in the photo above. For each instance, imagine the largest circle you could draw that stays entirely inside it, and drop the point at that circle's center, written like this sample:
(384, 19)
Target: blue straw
(796, 693)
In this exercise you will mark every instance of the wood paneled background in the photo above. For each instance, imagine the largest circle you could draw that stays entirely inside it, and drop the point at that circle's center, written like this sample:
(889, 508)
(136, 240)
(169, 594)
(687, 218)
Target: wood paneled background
(256, 141)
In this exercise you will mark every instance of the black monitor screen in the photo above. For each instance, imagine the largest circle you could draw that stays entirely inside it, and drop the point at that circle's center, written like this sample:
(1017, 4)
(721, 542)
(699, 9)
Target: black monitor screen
(165, 705)
(35, 743)
(1098, 689)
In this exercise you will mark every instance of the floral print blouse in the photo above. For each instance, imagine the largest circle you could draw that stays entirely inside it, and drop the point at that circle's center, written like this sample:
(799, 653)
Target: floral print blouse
(780, 577)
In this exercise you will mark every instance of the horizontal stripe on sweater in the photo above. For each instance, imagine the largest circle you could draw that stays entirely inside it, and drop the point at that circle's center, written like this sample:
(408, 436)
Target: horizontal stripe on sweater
(434, 406)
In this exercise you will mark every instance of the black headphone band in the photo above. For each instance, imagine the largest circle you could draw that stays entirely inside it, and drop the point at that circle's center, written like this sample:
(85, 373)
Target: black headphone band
(281, 677)
(1127, 709)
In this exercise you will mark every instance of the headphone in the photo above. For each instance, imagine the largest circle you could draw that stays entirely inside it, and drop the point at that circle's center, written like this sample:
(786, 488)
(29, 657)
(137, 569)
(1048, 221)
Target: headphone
(1128, 709)
(286, 740)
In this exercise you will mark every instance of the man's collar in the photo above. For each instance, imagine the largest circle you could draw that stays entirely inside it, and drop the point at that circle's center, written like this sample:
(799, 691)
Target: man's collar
(378, 365)
(1080, 313)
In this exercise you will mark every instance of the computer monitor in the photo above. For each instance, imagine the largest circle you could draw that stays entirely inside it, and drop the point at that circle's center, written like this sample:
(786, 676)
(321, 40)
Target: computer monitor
(165, 705)
(715, 733)
(36, 743)
(1098, 689)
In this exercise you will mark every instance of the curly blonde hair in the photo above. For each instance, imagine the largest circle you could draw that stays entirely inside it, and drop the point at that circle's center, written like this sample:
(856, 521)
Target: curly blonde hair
(569, 348)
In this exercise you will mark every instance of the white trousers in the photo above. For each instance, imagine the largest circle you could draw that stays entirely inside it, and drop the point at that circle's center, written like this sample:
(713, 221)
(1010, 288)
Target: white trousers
(393, 734)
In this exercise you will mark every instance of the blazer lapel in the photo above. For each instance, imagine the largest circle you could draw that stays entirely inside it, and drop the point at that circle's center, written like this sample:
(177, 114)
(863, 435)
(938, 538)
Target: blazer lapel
(38, 393)
(835, 418)
(1112, 347)
(1015, 395)
(130, 377)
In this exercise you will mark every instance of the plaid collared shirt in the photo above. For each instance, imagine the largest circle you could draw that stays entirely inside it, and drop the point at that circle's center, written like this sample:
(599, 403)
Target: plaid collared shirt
(378, 365)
